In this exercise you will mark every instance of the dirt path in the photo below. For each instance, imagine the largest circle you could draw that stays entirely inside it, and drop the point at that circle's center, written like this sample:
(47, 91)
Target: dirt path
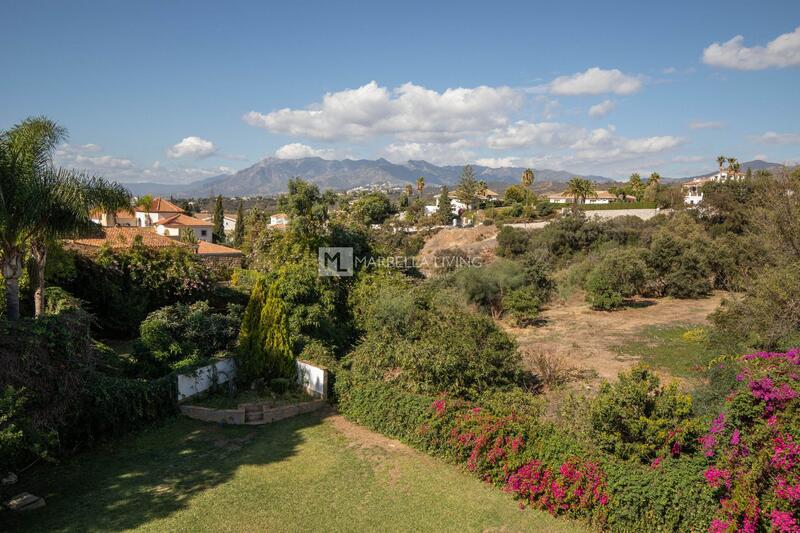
(586, 338)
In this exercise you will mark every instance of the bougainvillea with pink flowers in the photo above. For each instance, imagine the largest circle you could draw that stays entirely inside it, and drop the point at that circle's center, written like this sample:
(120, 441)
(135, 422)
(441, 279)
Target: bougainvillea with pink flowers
(753, 447)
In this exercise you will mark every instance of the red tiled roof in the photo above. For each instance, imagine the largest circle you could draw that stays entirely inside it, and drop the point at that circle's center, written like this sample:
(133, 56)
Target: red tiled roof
(160, 205)
(123, 238)
(183, 220)
(208, 248)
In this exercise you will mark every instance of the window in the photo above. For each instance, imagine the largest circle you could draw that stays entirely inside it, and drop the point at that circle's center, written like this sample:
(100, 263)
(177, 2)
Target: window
(203, 232)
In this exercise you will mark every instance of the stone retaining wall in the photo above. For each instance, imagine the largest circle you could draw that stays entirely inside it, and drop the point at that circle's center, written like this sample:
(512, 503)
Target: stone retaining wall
(250, 413)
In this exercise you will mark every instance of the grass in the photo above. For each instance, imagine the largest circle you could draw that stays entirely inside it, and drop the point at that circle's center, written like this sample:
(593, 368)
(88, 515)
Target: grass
(300, 474)
(221, 400)
(680, 350)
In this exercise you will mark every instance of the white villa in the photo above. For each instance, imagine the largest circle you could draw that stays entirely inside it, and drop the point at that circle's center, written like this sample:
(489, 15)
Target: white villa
(603, 197)
(228, 220)
(693, 190)
(172, 226)
(159, 209)
(122, 218)
(279, 219)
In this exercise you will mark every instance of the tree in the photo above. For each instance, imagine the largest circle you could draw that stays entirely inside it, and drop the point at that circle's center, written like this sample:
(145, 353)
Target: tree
(444, 211)
(527, 180)
(636, 186)
(420, 185)
(580, 189)
(721, 159)
(408, 190)
(655, 177)
(40, 203)
(372, 208)
(187, 235)
(146, 203)
(467, 188)
(219, 221)
(238, 232)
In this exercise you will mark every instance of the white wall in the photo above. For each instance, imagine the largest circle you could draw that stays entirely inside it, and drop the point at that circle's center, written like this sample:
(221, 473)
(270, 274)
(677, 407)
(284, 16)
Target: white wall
(203, 378)
(313, 378)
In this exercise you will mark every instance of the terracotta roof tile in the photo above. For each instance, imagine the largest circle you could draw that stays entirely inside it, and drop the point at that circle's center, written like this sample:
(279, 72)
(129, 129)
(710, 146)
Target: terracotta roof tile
(118, 238)
(208, 248)
(183, 220)
(161, 206)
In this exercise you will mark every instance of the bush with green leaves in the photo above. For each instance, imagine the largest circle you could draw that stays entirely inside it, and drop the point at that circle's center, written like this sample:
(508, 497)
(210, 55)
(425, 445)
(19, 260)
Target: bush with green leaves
(122, 286)
(488, 286)
(678, 260)
(620, 274)
(637, 418)
(766, 316)
(264, 343)
(426, 341)
(189, 331)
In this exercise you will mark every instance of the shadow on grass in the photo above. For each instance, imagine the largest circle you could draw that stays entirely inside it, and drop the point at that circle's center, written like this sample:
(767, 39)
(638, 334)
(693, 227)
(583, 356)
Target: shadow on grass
(149, 475)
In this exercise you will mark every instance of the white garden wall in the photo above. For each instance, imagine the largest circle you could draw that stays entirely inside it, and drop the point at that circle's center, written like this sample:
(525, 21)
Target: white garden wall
(203, 378)
(314, 379)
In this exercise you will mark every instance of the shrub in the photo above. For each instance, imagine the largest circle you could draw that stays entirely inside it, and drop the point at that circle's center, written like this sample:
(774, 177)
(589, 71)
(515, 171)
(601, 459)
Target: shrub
(512, 242)
(636, 418)
(424, 340)
(182, 331)
(620, 274)
(264, 345)
(19, 439)
(487, 286)
(766, 316)
(523, 304)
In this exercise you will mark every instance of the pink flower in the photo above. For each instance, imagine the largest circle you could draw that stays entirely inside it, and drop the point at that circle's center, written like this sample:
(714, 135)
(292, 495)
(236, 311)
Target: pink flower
(655, 462)
(716, 477)
(783, 521)
(718, 526)
(735, 437)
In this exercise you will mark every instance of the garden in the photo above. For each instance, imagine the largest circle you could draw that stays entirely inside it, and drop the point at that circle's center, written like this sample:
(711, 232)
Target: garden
(700, 434)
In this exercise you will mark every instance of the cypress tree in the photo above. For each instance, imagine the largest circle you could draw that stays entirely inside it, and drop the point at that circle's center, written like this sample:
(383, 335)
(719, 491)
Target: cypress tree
(264, 346)
(219, 221)
(238, 233)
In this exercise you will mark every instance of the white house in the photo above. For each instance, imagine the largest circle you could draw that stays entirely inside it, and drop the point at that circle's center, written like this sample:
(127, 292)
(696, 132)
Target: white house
(122, 218)
(172, 226)
(603, 197)
(279, 219)
(228, 220)
(693, 190)
(159, 209)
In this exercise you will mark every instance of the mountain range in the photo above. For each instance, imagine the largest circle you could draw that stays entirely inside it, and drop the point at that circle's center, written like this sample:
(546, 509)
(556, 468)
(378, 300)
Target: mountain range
(269, 176)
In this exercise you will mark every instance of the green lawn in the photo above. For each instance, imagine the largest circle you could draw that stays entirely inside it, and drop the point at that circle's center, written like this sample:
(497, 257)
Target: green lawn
(302, 474)
(678, 349)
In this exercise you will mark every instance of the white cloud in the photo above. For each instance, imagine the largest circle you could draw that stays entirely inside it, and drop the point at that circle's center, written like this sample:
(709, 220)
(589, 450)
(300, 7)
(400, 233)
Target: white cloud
(90, 158)
(783, 51)
(499, 162)
(452, 153)
(409, 111)
(669, 70)
(525, 134)
(299, 150)
(772, 137)
(706, 125)
(602, 109)
(596, 81)
(87, 157)
(192, 146)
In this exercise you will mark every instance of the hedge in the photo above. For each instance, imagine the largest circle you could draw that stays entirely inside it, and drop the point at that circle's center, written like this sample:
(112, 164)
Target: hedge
(536, 462)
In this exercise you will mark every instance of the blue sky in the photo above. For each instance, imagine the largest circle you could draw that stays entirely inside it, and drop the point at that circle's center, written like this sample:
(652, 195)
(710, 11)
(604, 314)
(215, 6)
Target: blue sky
(176, 91)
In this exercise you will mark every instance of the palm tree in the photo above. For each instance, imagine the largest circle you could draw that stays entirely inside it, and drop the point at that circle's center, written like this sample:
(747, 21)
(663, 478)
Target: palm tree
(146, 203)
(721, 161)
(409, 190)
(65, 209)
(655, 177)
(580, 189)
(527, 180)
(732, 162)
(39, 203)
(420, 185)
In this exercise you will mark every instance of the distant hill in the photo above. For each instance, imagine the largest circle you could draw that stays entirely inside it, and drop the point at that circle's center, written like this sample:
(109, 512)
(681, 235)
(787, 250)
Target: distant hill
(756, 164)
(270, 175)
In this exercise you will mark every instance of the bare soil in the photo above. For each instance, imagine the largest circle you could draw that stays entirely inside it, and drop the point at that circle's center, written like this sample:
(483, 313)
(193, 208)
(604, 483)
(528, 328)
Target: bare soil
(479, 241)
(585, 338)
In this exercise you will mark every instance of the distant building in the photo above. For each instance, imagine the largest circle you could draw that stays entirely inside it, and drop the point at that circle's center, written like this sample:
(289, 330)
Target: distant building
(172, 226)
(602, 197)
(158, 210)
(279, 219)
(228, 220)
(693, 190)
(123, 217)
